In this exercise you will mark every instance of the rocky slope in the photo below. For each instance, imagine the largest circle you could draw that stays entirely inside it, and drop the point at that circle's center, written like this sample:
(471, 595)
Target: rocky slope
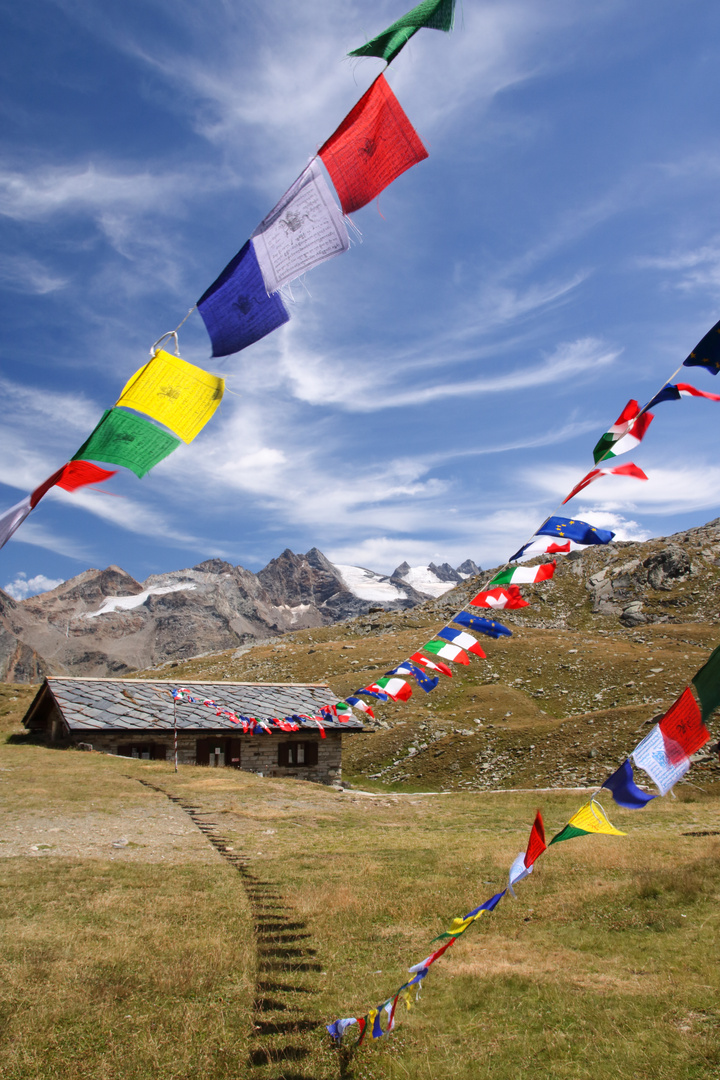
(104, 622)
(601, 651)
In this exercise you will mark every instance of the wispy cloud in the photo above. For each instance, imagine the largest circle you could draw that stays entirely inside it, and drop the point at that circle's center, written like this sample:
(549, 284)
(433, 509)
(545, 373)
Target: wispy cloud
(24, 274)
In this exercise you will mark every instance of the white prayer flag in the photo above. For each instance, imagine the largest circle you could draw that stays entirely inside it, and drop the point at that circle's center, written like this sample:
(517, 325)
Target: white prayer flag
(304, 229)
(651, 756)
(13, 518)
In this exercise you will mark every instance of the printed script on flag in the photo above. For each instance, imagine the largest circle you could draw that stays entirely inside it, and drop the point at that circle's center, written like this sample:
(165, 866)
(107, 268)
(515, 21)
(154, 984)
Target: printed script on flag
(179, 395)
(304, 229)
(123, 439)
(374, 144)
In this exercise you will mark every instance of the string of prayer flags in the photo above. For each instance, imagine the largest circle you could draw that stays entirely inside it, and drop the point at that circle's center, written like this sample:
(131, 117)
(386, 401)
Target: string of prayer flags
(525, 575)
(677, 391)
(624, 790)
(427, 963)
(447, 652)
(373, 145)
(236, 309)
(707, 684)
(389, 687)
(130, 441)
(177, 394)
(460, 925)
(303, 230)
(707, 352)
(506, 597)
(465, 641)
(590, 818)
(431, 14)
(425, 682)
(683, 729)
(483, 626)
(431, 665)
(594, 474)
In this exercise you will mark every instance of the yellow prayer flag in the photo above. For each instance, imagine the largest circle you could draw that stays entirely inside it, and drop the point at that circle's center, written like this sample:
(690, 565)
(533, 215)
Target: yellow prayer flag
(591, 819)
(179, 395)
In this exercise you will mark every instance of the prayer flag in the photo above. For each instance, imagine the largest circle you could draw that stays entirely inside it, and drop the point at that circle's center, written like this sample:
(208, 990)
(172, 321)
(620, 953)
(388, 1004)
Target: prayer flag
(448, 652)
(338, 1027)
(430, 960)
(543, 547)
(483, 626)
(707, 352)
(358, 703)
(624, 790)
(507, 597)
(621, 427)
(536, 843)
(127, 440)
(179, 395)
(374, 145)
(682, 728)
(525, 575)
(397, 689)
(73, 475)
(676, 391)
(425, 682)
(236, 309)
(13, 518)
(431, 665)
(651, 755)
(590, 818)
(707, 684)
(518, 872)
(432, 14)
(619, 470)
(465, 641)
(302, 231)
(374, 1015)
(460, 925)
(572, 529)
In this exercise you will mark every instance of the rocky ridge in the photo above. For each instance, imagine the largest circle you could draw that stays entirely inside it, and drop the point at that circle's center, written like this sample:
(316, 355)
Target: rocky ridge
(104, 622)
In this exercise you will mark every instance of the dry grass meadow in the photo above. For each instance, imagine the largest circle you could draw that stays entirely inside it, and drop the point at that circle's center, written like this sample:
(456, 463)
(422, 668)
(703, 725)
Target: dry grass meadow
(133, 947)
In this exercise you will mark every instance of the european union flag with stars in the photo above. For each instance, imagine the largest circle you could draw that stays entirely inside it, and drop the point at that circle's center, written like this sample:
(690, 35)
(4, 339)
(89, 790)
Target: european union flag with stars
(707, 352)
(579, 531)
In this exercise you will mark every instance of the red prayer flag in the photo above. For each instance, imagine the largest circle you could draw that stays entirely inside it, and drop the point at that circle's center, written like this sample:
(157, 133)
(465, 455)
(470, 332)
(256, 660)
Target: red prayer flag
(536, 843)
(70, 477)
(374, 145)
(682, 728)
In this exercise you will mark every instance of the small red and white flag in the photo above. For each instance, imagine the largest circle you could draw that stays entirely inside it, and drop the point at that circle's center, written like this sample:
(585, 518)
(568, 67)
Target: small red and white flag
(507, 597)
(618, 470)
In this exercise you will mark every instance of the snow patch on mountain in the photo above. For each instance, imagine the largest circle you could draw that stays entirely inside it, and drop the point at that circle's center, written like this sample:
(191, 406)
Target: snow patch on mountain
(126, 603)
(367, 585)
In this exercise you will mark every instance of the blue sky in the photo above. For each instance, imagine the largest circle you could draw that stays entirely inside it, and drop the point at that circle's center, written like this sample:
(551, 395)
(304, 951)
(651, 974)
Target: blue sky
(439, 387)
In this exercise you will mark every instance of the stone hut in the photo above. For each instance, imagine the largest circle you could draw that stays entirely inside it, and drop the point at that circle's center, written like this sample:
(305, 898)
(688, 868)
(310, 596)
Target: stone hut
(137, 718)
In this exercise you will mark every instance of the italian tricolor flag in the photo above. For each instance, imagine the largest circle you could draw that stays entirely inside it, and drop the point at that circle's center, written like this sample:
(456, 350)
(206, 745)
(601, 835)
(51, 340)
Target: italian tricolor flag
(448, 652)
(397, 689)
(525, 575)
(626, 433)
(507, 597)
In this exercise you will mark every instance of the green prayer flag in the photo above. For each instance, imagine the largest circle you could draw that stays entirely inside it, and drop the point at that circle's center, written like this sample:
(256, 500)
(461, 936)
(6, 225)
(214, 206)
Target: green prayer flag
(707, 684)
(124, 439)
(432, 14)
(567, 834)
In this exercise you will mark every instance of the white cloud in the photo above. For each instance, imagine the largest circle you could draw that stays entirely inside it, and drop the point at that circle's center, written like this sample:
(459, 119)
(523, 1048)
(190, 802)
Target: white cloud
(24, 274)
(23, 586)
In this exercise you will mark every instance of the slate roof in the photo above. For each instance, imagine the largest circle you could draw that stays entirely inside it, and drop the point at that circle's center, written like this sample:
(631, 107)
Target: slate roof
(146, 704)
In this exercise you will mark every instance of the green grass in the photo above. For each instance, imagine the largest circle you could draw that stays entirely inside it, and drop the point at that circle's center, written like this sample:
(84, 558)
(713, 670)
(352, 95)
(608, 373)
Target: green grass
(605, 966)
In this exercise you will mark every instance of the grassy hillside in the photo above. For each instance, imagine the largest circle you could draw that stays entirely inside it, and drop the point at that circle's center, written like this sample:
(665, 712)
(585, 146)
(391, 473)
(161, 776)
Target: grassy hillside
(131, 948)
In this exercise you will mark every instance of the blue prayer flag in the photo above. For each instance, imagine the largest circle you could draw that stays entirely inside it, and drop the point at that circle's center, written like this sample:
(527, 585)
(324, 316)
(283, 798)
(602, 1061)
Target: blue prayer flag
(483, 626)
(707, 352)
(489, 905)
(571, 529)
(236, 309)
(377, 1031)
(624, 790)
